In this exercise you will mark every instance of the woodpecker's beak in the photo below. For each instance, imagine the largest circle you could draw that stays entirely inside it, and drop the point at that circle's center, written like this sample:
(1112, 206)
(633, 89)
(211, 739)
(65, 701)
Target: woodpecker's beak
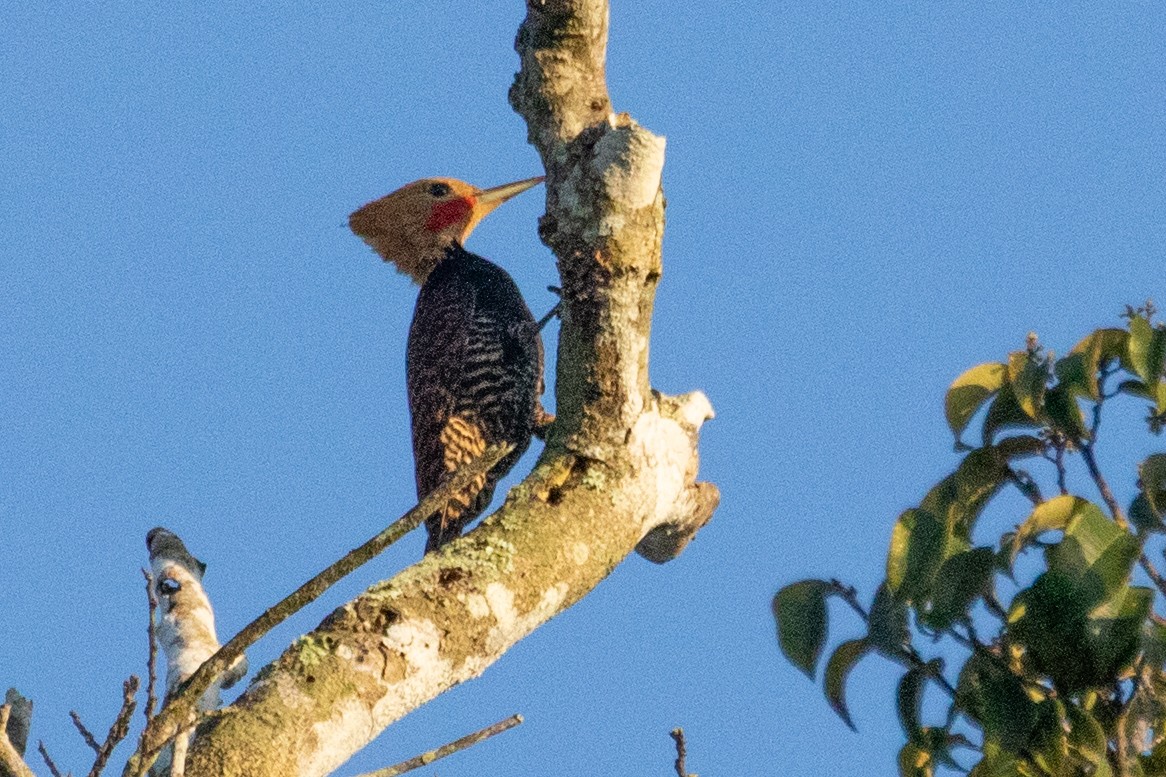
(488, 199)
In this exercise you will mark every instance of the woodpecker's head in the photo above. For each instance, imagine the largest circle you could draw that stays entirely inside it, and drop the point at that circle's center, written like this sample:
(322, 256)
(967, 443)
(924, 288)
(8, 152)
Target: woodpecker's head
(414, 225)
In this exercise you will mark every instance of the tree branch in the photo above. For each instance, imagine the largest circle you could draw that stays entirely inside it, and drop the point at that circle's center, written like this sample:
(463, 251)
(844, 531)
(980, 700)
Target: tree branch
(44, 753)
(681, 753)
(619, 465)
(416, 762)
(119, 729)
(178, 710)
(152, 650)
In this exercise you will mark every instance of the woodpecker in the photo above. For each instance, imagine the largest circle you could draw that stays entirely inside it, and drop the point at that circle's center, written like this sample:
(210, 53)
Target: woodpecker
(474, 362)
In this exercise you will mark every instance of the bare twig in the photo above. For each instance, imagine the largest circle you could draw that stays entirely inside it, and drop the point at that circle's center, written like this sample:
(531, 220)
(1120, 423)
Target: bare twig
(1026, 485)
(907, 653)
(1155, 576)
(11, 762)
(425, 759)
(681, 751)
(173, 717)
(152, 654)
(542, 322)
(86, 734)
(44, 753)
(1103, 486)
(120, 727)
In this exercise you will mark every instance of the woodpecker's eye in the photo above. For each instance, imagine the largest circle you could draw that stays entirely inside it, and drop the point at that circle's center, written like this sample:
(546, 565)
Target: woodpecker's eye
(168, 586)
(438, 189)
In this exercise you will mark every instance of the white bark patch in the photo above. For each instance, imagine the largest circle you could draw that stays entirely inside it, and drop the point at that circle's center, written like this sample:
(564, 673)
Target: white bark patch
(512, 625)
(186, 626)
(501, 601)
(350, 727)
(477, 605)
(664, 450)
(695, 409)
(630, 160)
(418, 642)
(580, 552)
(550, 602)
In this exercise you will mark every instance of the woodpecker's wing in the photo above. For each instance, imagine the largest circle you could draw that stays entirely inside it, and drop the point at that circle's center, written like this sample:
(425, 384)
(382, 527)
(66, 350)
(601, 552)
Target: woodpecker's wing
(434, 369)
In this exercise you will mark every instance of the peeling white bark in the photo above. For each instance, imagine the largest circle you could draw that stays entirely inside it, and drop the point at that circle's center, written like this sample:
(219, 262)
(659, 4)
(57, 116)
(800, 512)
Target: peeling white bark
(186, 632)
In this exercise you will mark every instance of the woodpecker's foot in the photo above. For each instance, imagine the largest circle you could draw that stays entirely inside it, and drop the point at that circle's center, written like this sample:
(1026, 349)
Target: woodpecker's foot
(542, 421)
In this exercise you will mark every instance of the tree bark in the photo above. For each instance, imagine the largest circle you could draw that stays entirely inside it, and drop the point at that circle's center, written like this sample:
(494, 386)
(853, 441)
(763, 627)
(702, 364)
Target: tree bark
(617, 472)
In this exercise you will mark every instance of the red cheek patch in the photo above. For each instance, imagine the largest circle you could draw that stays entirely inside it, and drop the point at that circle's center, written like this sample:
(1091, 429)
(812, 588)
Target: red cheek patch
(447, 213)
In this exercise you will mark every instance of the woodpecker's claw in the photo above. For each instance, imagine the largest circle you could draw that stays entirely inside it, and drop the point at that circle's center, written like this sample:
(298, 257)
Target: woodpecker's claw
(542, 421)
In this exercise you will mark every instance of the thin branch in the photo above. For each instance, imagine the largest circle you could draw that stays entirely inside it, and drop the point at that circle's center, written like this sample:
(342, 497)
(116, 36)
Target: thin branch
(908, 653)
(425, 759)
(681, 752)
(1103, 486)
(174, 715)
(152, 653)
(120, 728)
(44, 753)
(86, 734)
(11, 762)
(542, 322)
(1026, 486)
(1155, 576)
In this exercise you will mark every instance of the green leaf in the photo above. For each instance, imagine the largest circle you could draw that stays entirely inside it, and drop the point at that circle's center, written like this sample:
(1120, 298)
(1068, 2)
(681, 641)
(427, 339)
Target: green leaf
(1154, 764)
(915, 761)
(1048, 747)
(970, 391)
(1029, 374)
(980, 475)
(961, 580)
(959, 498)
(1152, 477)
(1154, 643)
(1143, 516)
(1005, 412)
(1078, 371)
(1077, 375)
(1053, 515)
(919, 544)
(1050, 620)
(888, 630)
(1116, 630)
(1000, 763)
(800, 612)
(1135, 388)
(1064, 414)
(1086, 737)
(1096, 551)
(995, 698)
(838, 668)
(910, 700)
(1147, 349)
(1021, 446)
(1079, 621)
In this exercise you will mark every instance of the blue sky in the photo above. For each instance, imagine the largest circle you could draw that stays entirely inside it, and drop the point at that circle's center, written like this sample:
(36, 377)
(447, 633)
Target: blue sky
(862, 202)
